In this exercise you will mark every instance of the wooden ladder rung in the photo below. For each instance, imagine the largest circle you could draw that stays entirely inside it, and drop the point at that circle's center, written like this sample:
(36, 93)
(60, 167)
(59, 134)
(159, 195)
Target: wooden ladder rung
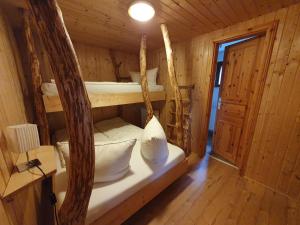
(174, 126)
(188, 86)
(185, 101)
(185, 114)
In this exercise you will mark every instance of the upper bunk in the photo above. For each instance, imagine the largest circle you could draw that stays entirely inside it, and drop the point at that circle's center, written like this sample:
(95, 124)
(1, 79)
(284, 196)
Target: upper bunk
(102, 94)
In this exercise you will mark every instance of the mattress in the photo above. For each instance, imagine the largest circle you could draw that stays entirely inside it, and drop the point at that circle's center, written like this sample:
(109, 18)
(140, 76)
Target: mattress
(106, 196)
(50, 89)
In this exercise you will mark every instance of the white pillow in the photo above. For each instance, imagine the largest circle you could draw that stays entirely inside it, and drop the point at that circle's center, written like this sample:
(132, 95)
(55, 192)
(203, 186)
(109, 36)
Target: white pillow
(151, 76)
(154, 145)
(135, 76)
(61, 139)
(111, 159)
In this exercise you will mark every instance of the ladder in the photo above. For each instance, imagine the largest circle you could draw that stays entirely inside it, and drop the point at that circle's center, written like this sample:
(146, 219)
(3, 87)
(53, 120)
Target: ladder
(186, 93)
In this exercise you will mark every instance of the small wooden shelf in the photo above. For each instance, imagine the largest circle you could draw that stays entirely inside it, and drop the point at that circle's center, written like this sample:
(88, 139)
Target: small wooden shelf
(18, 181)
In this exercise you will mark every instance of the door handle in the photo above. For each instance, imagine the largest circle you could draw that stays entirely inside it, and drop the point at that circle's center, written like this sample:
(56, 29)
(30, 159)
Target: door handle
(219, 103)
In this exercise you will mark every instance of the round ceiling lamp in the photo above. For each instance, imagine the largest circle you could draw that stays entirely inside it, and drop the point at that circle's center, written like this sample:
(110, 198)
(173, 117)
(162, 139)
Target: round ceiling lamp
(141, 11)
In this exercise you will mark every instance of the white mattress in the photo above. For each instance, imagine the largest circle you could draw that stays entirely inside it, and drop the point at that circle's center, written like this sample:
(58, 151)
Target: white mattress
(50, 89)
(106, 196)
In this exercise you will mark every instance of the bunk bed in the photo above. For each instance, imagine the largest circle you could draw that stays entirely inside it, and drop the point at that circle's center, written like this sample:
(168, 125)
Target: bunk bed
(113, 202)
(96, 201)
(102, 94)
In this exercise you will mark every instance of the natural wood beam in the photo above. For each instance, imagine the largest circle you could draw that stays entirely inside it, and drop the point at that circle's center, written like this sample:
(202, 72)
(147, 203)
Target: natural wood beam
(76, 105)
(174, 85)
(115, 65)
(117, 73)
(36, 82)
(144, 82)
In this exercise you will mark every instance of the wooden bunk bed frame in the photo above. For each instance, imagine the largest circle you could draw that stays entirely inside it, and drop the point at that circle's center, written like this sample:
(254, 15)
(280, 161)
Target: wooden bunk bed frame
(127, 208)
(53, 103)
(75, 102)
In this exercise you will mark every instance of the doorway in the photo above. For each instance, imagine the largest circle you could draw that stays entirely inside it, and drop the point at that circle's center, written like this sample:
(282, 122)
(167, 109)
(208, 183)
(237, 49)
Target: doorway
(236, 77)
(268, 31)
(216, 92)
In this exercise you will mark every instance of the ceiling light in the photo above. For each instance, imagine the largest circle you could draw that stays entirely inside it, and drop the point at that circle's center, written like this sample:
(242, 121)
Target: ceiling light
(141, 11)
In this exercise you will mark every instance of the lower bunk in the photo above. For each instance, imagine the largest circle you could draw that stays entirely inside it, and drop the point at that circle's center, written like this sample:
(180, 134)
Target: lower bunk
(115, 201)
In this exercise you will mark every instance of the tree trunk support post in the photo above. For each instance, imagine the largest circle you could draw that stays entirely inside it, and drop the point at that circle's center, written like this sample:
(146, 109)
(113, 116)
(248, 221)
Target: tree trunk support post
(174, 85)
(115, 65)
(144, 82)
(76, 105)
(36, 82)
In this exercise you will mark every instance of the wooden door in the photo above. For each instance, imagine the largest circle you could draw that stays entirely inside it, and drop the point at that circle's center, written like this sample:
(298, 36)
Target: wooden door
(239, 68)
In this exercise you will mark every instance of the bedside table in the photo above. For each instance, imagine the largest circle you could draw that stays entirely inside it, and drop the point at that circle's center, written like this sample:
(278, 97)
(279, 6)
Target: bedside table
(18, 181)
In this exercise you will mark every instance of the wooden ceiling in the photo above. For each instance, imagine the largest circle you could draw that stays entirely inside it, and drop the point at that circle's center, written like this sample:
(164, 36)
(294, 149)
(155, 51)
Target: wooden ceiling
(106, 22)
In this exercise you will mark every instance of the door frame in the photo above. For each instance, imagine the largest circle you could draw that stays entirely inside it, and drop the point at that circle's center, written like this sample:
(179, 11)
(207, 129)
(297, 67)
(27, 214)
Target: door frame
(269, 30)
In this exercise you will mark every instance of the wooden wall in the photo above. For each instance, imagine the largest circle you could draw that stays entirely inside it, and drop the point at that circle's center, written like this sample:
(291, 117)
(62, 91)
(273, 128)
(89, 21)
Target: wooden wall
(12, 111)
(96, 65)
(157, 58)
(275, 153)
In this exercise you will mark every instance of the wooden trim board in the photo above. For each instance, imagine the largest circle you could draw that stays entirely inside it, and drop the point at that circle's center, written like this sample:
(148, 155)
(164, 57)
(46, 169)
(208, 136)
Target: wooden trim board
(53, 104)
(127, 208)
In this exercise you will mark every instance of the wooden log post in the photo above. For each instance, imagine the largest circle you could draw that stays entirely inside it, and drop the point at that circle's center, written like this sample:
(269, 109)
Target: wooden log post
(175, 87)
(115, 65)
(36, 82)
(77, 109)
(144, 81)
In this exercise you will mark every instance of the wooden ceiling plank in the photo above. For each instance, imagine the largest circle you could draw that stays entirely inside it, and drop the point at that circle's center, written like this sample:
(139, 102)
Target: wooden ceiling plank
(274, 4)
(170, 16)
(97, 25)
(198, 6)
(119, 20)
(176, 8)
(213, 7)
(79, 37)
(262, 8)
(106, 23)
(150, 28)
(251, 7)
(104, 36)
(239, 9)
(189, 8)
(224, 4)
(95, 16)
(167, 13)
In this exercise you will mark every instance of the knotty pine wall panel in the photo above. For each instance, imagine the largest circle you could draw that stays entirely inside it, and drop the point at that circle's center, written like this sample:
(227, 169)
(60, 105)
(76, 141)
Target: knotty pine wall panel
(274, 158)
(12, 111)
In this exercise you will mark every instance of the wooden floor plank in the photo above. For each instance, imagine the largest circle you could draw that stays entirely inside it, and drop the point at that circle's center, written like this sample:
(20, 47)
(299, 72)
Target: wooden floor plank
(213, 193)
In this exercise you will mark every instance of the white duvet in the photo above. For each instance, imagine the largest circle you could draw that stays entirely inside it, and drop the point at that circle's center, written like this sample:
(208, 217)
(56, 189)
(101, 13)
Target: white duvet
(106, 196)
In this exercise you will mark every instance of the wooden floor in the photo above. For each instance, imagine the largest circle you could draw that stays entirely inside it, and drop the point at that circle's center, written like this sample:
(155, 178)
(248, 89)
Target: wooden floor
(214, 193)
